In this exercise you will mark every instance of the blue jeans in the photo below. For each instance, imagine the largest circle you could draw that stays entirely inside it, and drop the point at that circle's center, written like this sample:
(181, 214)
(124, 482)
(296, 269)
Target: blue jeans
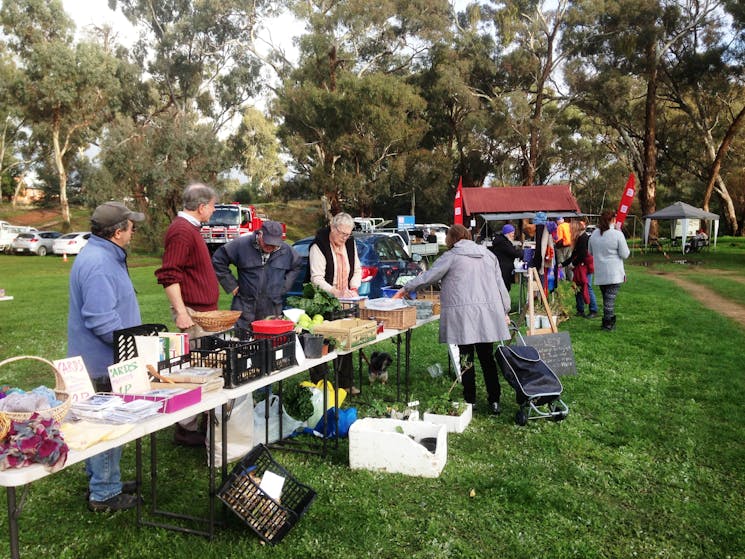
(581, 301)
(104, 475)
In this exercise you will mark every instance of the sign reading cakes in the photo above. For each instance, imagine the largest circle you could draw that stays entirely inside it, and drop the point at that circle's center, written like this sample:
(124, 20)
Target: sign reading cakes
(129, 377)
(556, 351)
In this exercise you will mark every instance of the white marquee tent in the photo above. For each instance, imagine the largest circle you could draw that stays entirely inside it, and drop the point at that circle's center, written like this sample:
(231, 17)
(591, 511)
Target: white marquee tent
(684, 212)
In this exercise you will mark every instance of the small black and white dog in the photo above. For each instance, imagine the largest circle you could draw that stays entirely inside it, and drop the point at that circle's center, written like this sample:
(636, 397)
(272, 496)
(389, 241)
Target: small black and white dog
(379, 362)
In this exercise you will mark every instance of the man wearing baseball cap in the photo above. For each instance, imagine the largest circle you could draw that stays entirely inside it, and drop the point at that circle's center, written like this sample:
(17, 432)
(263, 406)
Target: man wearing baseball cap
(503, 247)
(267, 267)
(102, 300)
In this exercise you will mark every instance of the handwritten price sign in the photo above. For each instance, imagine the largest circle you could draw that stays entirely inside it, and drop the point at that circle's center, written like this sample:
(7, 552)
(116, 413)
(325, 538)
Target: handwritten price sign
(77, 382)
(129, 377)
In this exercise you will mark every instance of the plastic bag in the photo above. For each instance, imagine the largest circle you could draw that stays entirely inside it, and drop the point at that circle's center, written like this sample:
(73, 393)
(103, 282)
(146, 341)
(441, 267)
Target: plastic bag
(240, 429)
(317, 399)
(347, 416)
(289, 424)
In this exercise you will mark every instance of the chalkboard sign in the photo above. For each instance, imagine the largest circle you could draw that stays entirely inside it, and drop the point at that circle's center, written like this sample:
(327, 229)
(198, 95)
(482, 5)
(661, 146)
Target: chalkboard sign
(555, 350)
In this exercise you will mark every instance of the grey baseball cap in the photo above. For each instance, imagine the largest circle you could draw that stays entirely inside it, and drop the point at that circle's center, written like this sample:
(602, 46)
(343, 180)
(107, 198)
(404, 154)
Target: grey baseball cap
(111, 213)
(271, 232)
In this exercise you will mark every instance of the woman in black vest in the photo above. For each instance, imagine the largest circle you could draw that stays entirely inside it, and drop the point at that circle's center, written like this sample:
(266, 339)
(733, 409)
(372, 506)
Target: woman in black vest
(335, 268)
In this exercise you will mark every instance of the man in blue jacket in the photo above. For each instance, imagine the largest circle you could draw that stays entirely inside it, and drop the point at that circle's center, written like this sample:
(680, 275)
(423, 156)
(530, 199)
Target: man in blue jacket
(266, 266)
(102, 300)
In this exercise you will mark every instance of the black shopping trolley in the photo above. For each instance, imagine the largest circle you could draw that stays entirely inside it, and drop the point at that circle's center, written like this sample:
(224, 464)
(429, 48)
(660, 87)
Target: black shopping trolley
(537, 388)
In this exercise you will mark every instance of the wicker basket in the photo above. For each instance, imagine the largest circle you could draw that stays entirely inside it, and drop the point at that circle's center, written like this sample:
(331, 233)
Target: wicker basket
(216, 321)
(396, 319)
(57, 412)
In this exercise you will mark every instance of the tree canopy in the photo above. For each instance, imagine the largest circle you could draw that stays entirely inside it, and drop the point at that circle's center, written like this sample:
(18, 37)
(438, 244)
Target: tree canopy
(385, 107)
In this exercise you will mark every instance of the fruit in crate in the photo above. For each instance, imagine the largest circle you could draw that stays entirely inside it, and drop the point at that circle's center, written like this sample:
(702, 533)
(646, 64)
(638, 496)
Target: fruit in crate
(317, 319)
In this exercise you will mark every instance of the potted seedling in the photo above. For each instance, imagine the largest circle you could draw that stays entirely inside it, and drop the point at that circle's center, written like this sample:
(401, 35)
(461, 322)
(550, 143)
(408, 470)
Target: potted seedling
(442, 410)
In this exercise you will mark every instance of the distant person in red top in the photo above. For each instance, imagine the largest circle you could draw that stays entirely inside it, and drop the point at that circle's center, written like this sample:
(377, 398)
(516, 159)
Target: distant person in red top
(187, 273)
(190, 280)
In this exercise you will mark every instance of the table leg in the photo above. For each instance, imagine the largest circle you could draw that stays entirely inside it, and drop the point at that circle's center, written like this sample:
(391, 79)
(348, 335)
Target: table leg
(212, 490)
(13, 522)
(398, 367)
(138, 478)
(407, 352)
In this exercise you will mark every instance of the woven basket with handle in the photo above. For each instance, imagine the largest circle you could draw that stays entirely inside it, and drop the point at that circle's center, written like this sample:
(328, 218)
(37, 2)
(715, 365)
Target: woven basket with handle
(57, 412)
(216, 321)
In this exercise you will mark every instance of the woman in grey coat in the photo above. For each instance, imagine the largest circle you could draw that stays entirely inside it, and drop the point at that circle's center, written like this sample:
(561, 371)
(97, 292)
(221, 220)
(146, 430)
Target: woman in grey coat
(474, 305)
(609, 249)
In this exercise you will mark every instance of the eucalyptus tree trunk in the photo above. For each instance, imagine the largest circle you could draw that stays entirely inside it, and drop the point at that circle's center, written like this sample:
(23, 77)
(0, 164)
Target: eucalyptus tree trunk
(647, 186)
(59, 164)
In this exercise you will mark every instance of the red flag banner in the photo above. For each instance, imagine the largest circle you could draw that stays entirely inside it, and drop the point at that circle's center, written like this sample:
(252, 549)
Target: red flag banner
(625, 203)
(458, 205)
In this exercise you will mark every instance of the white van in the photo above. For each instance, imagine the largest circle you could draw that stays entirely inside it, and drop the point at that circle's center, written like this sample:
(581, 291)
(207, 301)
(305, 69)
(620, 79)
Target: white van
(9, 232)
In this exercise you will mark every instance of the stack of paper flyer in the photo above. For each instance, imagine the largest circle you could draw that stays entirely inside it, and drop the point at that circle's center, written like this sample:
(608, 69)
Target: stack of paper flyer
(132, 412)
(196, 375)
(111, 408)
(93, 407)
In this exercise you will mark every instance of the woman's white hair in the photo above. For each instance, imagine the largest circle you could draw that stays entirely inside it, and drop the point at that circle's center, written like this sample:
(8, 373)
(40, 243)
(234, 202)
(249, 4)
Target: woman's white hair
(342, 218)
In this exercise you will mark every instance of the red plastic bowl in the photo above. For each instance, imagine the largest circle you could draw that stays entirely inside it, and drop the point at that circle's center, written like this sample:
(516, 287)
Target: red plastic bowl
(272, 327)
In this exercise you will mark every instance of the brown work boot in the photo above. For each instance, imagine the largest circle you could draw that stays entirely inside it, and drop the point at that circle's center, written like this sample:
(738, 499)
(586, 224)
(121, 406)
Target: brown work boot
(123, 501)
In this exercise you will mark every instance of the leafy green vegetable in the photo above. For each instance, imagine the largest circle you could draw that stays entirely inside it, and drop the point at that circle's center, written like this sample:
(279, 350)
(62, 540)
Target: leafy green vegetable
(314, 301)
(297, 401)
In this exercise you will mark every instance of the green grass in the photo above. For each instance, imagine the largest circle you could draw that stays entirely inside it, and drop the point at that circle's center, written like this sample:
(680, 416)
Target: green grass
(649, 462)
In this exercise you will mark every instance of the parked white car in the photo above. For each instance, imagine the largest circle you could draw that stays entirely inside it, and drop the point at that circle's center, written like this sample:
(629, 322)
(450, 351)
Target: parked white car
(439, 230)
(34, 243)
(71, 243)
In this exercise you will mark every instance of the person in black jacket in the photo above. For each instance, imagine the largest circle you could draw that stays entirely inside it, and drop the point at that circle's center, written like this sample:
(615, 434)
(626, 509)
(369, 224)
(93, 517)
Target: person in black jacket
(503, 248)
(335, 267)
(267, 267)
(583, 268)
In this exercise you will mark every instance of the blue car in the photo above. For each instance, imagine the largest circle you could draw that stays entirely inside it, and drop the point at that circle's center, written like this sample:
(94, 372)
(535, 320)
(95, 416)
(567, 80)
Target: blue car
(384, 262)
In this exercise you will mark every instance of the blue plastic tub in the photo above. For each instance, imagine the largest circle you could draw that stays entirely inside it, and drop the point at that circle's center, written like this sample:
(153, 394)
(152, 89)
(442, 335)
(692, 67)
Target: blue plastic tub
(391, 291)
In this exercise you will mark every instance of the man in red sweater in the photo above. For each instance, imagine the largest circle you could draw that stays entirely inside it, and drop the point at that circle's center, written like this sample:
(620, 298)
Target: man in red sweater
(189, 279)
(187, 273)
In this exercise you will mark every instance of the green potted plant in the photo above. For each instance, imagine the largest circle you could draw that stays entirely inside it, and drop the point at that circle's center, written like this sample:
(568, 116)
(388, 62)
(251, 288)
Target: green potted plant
(442, 410)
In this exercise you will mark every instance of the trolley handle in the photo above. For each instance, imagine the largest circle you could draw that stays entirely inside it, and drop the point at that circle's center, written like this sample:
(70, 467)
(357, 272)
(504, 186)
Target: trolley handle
(514, 328)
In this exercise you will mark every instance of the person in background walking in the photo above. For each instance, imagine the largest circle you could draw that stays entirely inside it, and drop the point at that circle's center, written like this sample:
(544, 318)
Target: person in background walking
(189, 279)
(103, 300)
(475, 308)
(563, 244)
(609, 249)
(583, 263)
(266, 266)
(505, 250)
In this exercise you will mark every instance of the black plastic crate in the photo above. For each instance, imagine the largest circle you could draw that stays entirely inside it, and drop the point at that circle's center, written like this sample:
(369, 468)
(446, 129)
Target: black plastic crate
(168, 365)
(350, 310)
(124, 340)
(270, 519)
(240, 360)
(281, 350)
